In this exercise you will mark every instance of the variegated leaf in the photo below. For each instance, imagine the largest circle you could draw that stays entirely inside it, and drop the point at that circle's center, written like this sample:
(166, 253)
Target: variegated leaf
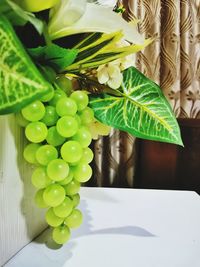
(20, 80)
(140, 109)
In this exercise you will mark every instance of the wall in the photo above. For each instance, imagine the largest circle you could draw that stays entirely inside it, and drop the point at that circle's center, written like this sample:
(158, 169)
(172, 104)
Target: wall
(20, 219)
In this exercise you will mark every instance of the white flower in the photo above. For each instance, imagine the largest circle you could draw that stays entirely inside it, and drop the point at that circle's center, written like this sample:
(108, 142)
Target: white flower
(70, 17)
(67, 12)
(110, 74)
(127, 62)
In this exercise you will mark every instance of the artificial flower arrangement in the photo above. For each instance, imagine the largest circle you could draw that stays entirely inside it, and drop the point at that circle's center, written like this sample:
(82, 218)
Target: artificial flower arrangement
(67, 93)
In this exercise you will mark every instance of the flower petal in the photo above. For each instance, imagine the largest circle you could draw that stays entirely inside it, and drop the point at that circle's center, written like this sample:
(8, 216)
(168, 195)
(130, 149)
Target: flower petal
(116, 82)
(66, 13)
(113, 71)
(95, 19)
(102, 76)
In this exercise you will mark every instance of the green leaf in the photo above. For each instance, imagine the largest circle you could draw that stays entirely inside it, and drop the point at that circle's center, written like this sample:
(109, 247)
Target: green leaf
(91, 38)
(102, 50)
(20, 80)
(140, 109)
(18, 16)
(90, 50)
(55, 56)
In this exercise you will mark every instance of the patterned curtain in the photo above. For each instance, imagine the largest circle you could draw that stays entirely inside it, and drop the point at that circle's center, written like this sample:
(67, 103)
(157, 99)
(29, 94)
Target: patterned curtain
(173, 61)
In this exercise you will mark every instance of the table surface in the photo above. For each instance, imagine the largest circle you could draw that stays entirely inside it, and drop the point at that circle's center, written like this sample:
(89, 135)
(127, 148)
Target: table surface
(125, 227)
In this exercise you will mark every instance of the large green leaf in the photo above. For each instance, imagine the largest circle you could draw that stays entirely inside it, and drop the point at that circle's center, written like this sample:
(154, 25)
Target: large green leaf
(140, 109)
(20, 80)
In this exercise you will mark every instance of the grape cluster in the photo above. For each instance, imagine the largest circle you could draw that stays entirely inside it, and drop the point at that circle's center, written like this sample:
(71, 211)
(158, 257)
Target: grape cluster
(57, 128)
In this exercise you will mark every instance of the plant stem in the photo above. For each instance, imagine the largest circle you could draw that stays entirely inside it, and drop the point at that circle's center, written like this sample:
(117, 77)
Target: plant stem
(46, 34)
(103, 88)
(111, 91)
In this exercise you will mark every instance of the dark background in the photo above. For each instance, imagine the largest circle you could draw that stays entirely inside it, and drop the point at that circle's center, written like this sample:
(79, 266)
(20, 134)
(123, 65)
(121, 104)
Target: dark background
(167, 166)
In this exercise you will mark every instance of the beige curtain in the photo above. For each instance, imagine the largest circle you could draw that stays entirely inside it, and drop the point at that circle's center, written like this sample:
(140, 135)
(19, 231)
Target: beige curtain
(173, 61)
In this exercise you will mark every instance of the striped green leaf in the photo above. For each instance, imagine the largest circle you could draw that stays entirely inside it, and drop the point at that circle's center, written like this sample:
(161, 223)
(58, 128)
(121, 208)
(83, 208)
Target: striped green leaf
(89, 50)
(91, 38)
(20, 80)
(96, 50)
(140, 109)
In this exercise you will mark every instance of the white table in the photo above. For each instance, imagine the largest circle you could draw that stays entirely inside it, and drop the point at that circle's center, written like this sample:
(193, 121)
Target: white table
(125, 227)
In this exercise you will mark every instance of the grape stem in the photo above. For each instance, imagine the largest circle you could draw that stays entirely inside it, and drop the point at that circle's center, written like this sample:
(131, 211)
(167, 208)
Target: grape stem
(94, 87)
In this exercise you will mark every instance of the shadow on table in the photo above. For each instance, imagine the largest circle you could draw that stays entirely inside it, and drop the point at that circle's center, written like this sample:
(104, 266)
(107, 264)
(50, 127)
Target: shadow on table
(86, 230)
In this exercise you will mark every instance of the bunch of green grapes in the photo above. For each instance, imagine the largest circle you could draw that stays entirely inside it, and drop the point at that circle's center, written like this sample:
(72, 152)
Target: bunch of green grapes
(57, 128)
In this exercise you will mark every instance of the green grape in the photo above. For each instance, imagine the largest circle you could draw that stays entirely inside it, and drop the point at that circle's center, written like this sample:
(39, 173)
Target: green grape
(87, 155)
(83, 136)
(52, 219)
(102, 129)
(71, 164)
(30, 153)
(48, 96)
(75, 200)
(21, 121)
(36, 132)
(78, 119)
(58, 94)
(61, 234)
(40, 179)
(87, 116)
(72, 188)
(54, 195)
(81, 99)
(75, 219)
(68, 179)
(67, 126)
(50, 118)
(71, 151)
(82, 172)
(65, 84)
(34, 111)
(54, 138)
(45, 154)
(66, 106)
(93, 130)
(57, 169)
(64, 209)
(39, 199)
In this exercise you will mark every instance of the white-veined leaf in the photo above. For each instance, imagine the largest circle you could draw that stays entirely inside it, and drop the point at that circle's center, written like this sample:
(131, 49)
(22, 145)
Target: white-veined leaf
(20, 80)
(140, 109)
